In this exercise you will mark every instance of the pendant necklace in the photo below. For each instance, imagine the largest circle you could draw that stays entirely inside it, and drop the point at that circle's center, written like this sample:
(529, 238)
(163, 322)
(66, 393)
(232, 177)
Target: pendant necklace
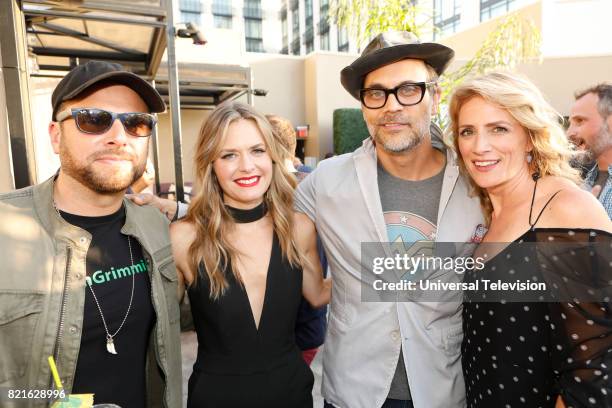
(110, 344)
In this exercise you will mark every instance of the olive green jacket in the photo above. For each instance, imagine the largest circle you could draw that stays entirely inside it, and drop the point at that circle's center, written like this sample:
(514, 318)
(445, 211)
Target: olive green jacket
(42, 295)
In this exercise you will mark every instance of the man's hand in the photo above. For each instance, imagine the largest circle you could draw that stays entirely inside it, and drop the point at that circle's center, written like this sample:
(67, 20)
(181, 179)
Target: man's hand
(167, 207)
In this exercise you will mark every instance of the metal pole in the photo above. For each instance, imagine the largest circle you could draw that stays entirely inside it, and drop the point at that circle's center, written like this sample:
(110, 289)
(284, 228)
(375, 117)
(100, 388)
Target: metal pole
(85, 16)
(175, 103)
(250, 90)
(15, 72)
(155, 147)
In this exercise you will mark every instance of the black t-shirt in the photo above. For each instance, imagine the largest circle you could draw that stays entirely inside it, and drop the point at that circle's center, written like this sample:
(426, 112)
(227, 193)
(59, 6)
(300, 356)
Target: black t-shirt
(114, 378)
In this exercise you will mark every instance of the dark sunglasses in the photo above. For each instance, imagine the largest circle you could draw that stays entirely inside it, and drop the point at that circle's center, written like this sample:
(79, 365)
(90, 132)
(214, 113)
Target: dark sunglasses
(97, 121)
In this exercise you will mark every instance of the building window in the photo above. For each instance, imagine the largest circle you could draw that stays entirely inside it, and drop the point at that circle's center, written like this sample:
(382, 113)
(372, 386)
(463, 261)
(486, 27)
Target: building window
(254, 45)
(325, 41)
(222, 13)
(324, 7)
(253, 34)
(343, 42)
(295, 46)
(447, 14)
(295, 28)
(285, 31)
(222, 21)
(252, 28)
(494, 8)
(309, 46)
(222, 7)
(252, 25)
(324, 24)
(308, 13)
(252, 9)
(191, 11)
(308, 27)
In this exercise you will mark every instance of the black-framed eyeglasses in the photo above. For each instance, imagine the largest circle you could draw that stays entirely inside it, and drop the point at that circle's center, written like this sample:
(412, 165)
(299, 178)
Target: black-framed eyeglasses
(407, 94)
(97, 121)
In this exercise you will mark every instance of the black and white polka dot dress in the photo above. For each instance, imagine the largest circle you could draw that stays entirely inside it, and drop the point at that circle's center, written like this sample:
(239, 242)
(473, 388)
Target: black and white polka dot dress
(527, 353)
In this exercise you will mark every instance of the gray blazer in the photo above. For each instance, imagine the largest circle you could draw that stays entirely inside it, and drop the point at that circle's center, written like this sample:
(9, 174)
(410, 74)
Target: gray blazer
(363, 339)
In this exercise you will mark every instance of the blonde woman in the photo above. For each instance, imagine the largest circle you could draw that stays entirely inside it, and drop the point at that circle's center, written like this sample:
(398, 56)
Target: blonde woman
(532, 354)
(246, 267)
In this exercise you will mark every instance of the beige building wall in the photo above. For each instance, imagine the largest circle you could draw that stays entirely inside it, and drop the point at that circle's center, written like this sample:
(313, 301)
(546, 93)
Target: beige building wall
(324, 94)
(283, 77)
(467, 42)
(306, 90)
(560, 78)
(191, 120)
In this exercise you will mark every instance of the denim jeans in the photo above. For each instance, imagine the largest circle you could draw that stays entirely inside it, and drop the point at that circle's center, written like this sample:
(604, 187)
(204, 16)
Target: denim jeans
(389, 403)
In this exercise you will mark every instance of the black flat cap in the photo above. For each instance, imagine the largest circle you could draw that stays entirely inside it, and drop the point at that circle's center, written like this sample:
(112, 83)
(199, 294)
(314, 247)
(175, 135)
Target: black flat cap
(85, 76)
(390, 47)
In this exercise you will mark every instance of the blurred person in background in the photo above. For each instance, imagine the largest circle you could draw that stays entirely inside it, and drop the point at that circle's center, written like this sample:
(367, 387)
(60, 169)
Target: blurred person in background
(591, 131)
(311, 323)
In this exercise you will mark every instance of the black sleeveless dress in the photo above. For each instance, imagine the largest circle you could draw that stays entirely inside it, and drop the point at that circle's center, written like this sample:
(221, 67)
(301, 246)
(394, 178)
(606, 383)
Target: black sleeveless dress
(240, 365)
(525, 353)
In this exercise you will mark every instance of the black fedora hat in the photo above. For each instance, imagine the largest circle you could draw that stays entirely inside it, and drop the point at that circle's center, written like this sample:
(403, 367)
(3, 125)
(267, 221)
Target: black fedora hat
(389, 47)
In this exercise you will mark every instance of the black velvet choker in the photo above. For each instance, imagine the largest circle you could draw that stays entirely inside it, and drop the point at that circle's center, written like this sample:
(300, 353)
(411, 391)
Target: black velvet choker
(243, 216)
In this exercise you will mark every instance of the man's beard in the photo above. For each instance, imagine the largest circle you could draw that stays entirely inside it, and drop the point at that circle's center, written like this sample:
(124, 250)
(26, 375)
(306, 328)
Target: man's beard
(405, 140)
(602, 142)
(96, 180)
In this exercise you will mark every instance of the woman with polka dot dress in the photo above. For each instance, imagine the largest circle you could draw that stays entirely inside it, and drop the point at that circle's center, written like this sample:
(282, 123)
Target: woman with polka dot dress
(547, 347)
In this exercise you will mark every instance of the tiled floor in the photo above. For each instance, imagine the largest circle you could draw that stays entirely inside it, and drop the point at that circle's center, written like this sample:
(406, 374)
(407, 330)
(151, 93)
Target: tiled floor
(189, 345)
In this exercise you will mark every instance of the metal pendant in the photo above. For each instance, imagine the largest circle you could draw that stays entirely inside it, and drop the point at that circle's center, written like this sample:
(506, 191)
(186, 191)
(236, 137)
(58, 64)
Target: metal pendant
(110, 345)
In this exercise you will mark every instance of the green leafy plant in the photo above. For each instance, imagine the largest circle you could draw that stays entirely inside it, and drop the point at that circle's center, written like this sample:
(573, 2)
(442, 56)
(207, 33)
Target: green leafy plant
(364, 19)
(349, 130)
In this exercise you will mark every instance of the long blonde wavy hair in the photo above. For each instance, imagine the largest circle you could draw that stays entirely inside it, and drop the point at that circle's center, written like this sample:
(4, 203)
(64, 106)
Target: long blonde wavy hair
(551, 152)
(211, 246)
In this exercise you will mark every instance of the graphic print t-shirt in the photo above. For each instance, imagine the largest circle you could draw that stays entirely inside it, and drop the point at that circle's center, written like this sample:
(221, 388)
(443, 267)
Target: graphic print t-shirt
(410, 210)
(114, 378)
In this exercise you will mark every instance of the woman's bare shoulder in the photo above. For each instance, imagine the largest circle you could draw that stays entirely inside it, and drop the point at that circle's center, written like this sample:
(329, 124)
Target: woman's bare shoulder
(573, 207)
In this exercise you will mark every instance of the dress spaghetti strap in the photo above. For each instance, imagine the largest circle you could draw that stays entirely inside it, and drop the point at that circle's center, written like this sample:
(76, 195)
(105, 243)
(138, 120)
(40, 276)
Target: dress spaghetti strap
(532, 225)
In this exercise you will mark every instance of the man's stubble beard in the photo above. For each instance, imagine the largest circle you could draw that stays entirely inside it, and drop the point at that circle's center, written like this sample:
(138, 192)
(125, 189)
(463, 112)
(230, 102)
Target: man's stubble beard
(603, 142)
(93, 179)
(404, 141)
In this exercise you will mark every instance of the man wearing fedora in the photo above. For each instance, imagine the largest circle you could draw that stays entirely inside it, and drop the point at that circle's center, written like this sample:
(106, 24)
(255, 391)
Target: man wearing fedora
(402, 186)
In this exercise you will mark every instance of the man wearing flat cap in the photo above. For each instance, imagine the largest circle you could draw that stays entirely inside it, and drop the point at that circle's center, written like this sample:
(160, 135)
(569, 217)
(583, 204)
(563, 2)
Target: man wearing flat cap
(401, 187)
(88, 277)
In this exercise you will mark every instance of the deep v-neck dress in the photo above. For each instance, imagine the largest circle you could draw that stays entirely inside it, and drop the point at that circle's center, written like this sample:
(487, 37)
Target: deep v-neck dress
(240, 364)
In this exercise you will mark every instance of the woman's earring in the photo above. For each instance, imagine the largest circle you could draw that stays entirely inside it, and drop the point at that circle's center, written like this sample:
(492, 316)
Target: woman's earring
(529, 157)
